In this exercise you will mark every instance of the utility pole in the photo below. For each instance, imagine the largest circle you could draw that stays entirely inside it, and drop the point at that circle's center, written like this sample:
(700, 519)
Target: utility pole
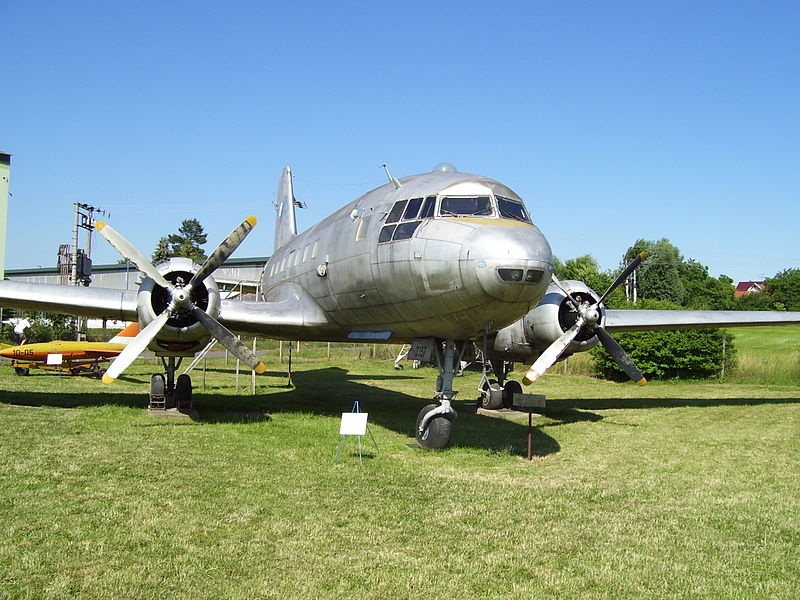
(81, 263)
(80, 268)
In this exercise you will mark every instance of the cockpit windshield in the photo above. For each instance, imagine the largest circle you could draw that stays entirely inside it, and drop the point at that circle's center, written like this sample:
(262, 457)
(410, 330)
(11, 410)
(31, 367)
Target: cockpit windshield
(512, 209)
(463, 206)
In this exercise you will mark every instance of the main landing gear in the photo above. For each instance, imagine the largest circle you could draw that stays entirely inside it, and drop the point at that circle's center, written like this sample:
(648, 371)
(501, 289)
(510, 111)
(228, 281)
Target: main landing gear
(435, 421)
(166, 391)
(497, 393)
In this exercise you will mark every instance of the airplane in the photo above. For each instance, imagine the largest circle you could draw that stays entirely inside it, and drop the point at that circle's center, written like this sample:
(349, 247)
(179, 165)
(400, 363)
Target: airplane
(442, 260)
(75, 357)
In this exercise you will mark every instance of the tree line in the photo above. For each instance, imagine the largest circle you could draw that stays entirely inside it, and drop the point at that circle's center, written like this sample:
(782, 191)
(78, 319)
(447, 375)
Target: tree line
(666, 280)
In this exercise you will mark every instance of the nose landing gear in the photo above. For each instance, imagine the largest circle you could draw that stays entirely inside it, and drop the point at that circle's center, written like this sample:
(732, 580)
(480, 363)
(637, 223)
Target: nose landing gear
(435, 422)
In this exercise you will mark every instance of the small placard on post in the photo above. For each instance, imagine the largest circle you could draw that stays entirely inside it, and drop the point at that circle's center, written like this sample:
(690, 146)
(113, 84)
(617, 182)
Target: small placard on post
(529, 400)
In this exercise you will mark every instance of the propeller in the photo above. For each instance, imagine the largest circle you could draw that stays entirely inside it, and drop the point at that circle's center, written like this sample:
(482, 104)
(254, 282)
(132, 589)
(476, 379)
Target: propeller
(181, 299)
(589, 317)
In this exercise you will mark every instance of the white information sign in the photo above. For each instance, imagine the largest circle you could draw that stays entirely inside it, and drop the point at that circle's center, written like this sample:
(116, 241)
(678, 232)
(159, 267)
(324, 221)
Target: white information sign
(55, 359)
(353, 424)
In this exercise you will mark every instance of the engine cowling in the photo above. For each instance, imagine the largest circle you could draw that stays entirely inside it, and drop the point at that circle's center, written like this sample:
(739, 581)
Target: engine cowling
(183, 334)
(526, 339)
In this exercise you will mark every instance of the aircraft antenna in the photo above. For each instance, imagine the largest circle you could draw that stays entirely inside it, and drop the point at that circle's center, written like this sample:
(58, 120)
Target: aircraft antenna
(396, 183)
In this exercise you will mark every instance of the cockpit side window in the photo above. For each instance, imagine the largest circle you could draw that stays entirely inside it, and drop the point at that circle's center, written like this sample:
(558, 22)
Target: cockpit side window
(428, 207)
(465, 206)
(512, 209)
(412, 209)
(397, 210)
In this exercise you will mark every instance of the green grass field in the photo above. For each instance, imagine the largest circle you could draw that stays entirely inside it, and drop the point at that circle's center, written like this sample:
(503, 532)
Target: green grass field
(674, 490)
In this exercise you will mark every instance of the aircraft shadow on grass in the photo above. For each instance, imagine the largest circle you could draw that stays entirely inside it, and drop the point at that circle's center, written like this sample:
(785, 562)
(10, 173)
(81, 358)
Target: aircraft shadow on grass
(331, 391)
(328, 392)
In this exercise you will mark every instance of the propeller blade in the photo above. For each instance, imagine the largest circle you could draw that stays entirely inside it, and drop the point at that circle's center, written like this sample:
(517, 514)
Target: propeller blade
(135, 347)
(130, 252)
(224, 250)
(551, 354)
(620, 356)
(229, 341)
(624, 275)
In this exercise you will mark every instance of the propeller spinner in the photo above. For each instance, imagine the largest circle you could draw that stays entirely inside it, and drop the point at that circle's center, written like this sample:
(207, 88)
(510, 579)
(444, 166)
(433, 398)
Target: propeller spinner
(181, 299)
(588, 316)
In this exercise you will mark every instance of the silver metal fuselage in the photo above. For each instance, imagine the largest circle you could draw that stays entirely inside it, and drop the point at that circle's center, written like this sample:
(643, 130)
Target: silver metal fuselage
(442, 281)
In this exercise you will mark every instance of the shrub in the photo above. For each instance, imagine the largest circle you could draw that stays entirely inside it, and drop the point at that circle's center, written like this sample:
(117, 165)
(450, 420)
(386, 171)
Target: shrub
(678, 354)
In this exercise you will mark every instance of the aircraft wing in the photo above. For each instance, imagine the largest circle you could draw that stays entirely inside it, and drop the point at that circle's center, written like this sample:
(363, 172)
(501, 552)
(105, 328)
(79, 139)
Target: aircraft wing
(69, 300)
(649, 320)
(293, 309)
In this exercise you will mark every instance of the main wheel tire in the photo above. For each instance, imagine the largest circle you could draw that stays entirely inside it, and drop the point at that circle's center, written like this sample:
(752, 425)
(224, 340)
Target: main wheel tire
(510, 388)
(157, 385)
(491, 400)
(183, 389)
(21, 371)
(438, 433)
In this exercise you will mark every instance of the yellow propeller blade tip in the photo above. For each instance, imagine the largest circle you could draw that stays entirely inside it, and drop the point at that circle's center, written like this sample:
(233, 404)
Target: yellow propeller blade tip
(252, 220)
(99, 225)
(260, 367)
(641, 382)
(527, 381)
(108, 379)
(642, 255)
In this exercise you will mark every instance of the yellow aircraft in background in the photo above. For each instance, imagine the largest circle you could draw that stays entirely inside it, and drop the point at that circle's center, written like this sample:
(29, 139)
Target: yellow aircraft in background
(64, 356)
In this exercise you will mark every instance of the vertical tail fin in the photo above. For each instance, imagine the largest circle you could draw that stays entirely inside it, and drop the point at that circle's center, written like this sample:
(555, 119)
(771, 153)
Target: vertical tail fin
(285, 224)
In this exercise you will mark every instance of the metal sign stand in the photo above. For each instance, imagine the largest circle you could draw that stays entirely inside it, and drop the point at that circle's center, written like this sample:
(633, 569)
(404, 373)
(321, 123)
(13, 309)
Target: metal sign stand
(354, 423)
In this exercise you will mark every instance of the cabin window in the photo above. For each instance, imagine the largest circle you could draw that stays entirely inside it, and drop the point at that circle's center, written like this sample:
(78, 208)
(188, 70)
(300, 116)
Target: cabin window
(466, 206)
(314, 251)
(397, 210)
(305, 252)
(428, 207)
(512, 209)
(412, 209)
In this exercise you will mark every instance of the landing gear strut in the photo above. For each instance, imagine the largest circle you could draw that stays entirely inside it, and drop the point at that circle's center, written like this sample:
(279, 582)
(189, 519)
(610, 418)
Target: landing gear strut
(435, 422)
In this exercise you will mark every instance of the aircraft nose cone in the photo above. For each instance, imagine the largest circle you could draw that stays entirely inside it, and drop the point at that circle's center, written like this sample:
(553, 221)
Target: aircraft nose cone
(510, 264)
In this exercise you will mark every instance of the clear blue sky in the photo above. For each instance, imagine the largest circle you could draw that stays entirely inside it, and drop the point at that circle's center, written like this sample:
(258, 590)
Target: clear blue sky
(613, 120)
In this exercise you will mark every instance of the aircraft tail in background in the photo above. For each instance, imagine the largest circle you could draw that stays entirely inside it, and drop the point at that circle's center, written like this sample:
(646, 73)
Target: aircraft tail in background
(285, 224)
(126, 335)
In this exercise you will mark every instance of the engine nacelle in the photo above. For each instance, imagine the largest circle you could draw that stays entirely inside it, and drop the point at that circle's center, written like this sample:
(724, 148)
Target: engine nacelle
(526, 339)
(183, 334)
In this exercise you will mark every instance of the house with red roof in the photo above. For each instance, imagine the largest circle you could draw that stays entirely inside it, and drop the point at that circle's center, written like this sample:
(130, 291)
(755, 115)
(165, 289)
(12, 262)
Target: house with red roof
(748, 287)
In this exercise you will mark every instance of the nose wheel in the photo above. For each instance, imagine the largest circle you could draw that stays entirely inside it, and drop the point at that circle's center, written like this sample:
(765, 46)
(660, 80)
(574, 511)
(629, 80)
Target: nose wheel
(435, 422)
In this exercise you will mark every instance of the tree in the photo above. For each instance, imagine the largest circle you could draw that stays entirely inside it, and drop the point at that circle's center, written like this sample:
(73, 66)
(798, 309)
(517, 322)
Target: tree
(703, 292)
(784, 290)
(658, 277)
(185, 243)
(586, 269)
